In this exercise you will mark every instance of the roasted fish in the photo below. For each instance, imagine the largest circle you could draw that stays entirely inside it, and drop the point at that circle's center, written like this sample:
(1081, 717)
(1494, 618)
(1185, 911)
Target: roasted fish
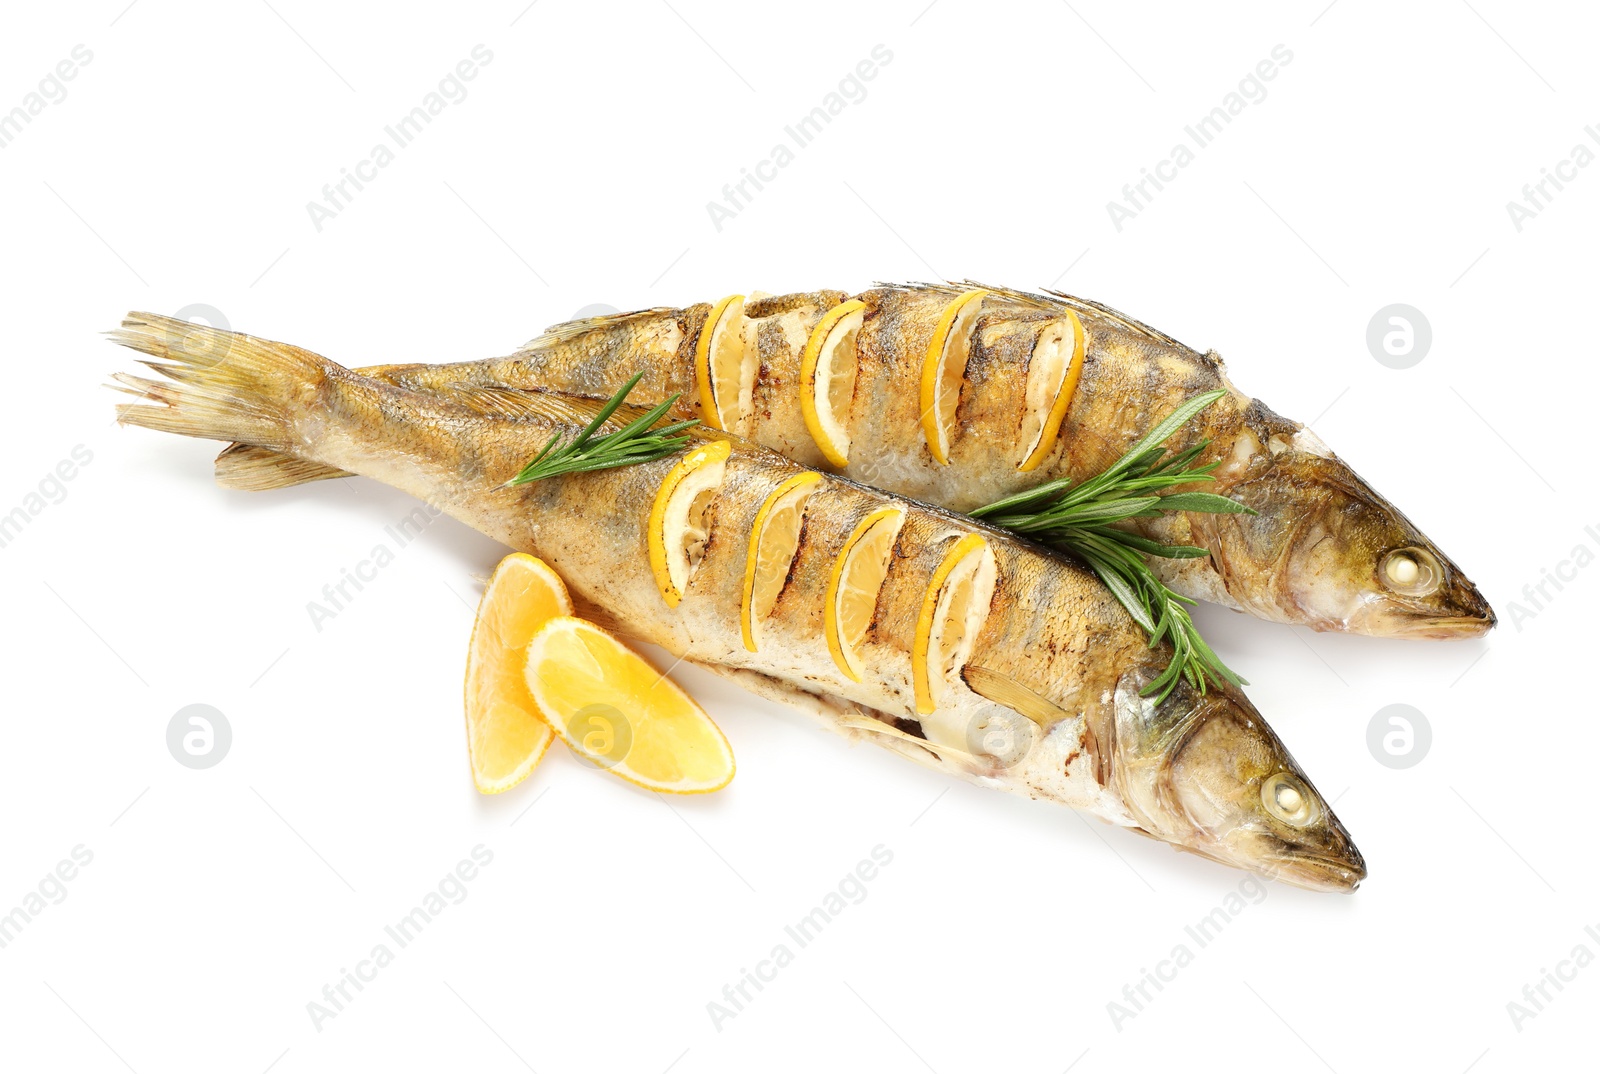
(944, 640)
(961, 395)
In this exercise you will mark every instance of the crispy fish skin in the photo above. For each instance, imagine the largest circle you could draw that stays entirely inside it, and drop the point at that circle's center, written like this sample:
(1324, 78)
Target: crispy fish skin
(1190, 770)
(1317, 553)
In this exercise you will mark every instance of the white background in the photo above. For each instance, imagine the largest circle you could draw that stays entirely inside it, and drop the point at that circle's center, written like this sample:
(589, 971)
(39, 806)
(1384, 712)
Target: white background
(577, 171)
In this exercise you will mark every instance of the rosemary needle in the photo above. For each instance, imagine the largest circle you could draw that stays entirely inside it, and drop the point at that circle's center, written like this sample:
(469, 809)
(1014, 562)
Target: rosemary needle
(1080, 520)
(634, 442)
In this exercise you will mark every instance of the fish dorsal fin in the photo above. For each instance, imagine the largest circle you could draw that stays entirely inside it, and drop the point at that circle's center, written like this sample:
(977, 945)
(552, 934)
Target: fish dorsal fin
(922, 287)
(1013, 295)
(499, 402)
(570, 330)
(1100, 309)
(954, 289)
(558, 408)
(1004, 690)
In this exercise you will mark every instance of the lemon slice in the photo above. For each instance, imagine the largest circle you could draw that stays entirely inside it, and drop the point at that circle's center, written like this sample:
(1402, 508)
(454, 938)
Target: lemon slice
(953, 610)
(505, 735)
(1053, 373)
(853, 585)
(677, 527)
(774, 536)
(828, 378)
(943, 367)
(724, 370)
(612, 707)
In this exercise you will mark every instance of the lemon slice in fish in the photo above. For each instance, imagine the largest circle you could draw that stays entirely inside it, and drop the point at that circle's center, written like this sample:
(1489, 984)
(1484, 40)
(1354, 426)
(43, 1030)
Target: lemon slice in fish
(853, 585)
(953, 610)
(677, 527)
(505, 735)
(724, 369)
(943, 368)
(1053, 373)
(828, 378)
(612, 707)
(774, 537)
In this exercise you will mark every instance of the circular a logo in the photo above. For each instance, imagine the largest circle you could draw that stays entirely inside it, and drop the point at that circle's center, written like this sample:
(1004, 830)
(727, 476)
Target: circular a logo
(1399, 736)
(1000, 735)
(200, 347)
(1399, 336)
(199, 736)
(603, 734)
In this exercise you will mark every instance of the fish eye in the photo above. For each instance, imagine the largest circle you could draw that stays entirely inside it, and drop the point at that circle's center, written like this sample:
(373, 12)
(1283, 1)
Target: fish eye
(1288, 800)
(1412, 572)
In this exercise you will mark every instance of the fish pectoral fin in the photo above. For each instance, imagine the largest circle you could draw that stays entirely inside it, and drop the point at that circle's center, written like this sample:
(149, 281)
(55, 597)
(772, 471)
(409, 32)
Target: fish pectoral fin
(1002, 689)
(257, 469)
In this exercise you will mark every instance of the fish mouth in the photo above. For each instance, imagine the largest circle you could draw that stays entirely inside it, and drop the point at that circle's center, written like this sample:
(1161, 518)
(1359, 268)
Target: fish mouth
(1444, 627)
(1320, 872)
(1339, 873)
(1467, 615)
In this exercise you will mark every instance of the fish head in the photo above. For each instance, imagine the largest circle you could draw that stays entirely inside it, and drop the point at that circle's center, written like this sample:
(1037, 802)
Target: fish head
(1205, 773)
(1336, 555)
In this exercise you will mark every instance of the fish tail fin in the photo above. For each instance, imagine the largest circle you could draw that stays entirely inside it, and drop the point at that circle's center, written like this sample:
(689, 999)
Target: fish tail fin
(221, 385)
(249, 468)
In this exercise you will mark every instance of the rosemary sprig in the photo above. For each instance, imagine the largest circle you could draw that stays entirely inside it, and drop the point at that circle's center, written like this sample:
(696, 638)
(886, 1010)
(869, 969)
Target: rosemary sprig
(1081, 520)
(634, 442)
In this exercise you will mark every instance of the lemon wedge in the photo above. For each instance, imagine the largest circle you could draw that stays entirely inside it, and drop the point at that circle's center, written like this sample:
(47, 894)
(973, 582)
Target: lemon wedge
(828, 378)
(774, 537)
(724, 369)
(610, 706)
(943, 367)
(1053, 373)
(853, 584)
(677, 526)
(953, 610)
(505, 735)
